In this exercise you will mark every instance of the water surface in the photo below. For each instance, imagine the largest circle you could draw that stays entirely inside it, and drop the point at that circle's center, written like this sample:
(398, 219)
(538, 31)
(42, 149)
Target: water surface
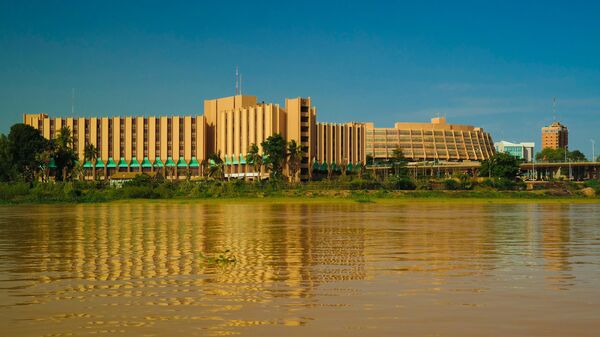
(412, 269)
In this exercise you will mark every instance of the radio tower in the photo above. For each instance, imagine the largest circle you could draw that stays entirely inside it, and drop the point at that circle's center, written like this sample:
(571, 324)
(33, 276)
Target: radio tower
(237, 80)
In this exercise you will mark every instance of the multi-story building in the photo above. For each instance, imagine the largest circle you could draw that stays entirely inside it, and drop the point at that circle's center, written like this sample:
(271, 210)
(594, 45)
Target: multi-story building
(132, 144)
(555, 136)
(181, 145)
(340, 146)
(435, 141)
(523, 151)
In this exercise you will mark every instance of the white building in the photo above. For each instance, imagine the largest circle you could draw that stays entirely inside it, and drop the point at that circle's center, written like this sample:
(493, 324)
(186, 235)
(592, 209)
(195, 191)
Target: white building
(521, 150)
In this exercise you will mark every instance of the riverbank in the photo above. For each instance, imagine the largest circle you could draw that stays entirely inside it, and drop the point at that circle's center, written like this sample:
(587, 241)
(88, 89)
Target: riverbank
(308, 196)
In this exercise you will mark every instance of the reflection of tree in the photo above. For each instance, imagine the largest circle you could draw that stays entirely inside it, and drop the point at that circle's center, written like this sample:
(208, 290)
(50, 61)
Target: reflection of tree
(556, 237)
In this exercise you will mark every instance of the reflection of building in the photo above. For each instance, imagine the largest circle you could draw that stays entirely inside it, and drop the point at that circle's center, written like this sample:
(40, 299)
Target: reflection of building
(555, 136)
(430, 141)
(522, 151)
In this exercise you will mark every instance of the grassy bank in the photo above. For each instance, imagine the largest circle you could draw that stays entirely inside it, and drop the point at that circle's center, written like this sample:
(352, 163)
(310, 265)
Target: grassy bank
(358, 191)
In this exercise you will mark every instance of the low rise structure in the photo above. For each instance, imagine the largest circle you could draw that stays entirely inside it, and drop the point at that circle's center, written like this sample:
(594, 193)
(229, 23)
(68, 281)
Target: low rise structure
(523, 151)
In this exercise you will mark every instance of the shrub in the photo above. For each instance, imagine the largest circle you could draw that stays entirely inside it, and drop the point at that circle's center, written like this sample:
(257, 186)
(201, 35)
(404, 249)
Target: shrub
(399, 183)
(451, 184)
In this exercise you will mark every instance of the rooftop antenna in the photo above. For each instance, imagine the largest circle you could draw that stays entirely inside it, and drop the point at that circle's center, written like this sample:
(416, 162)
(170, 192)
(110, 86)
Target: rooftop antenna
(554, 109)
(237, 80)
(72, 101)
(241, 84)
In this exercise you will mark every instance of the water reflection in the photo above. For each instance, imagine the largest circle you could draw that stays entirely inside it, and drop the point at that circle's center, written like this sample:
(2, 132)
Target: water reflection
(136, 268)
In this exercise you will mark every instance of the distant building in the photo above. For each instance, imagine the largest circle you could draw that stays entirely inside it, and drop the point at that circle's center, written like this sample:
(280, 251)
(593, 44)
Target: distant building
(522, 151)
(430, 141)
(555, 136)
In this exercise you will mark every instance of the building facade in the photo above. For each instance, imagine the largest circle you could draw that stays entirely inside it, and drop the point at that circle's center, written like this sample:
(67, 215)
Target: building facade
(129, 144)
(180, 146)
(435, 141)
(523, 151)
(340, 146)
(555, 136)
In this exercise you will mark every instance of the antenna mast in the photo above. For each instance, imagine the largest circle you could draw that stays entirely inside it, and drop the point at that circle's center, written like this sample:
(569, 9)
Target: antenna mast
(554, 109)
(241, 84)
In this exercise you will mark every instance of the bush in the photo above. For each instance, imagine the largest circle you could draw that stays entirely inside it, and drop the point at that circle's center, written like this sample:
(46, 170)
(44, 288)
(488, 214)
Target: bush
(593, 183)
(400, 183)
(362, 184)
(10, 191)
(451, 184)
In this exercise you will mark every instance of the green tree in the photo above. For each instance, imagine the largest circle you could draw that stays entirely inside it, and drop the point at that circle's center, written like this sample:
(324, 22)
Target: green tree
(90, 152)
(215, 167)
(24, 144)
(64, 156)
(7, 169)
(559, 155)
(294, 158)
(274, 149)
(576, 156)
(253, 157)
(399, 162)
(500, 165)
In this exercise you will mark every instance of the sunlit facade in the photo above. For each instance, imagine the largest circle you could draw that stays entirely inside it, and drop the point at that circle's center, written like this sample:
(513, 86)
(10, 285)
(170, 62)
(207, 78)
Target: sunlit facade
(180, 146)
(435, 141)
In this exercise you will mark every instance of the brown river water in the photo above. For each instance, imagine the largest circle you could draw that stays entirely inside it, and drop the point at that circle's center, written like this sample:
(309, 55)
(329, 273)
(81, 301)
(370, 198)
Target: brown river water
(406, 269)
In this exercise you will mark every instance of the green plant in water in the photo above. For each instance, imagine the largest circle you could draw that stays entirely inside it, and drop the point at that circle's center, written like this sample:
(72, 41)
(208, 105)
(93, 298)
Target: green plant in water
(223, 257)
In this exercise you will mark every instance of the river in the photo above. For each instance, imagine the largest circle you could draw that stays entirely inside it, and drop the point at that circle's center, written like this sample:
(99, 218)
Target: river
(313, 269)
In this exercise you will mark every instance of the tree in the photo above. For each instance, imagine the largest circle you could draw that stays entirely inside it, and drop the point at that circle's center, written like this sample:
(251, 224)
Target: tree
(7, 169)
(24, 144)
(90, 152)
(215, 168)
(500, 165)
(576, 156)
(44, 158)
(558, 155)
(64, 156)
(274, 149)
(399, 162)
(294, 158)
(253, 157)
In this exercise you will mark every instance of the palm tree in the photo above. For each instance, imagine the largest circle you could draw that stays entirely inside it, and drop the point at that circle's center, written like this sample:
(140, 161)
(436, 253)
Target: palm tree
(217, 168)
(64, 155)
(294, 158)
(90, 152)
(253, 157)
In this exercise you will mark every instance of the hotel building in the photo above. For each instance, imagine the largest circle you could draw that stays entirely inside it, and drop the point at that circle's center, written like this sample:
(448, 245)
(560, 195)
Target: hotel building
(181, 145)
(430, 141)
(555, 136)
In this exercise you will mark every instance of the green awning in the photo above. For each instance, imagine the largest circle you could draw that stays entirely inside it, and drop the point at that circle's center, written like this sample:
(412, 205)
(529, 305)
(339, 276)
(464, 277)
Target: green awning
(316, 166)
(242, 159)
(234, 160)
(158, 163)
(324, 167)
(146, 163)
(122, 163)
(357, 167)
(52, 163)
(99, 163)
(182, 163)
(334, 167)
(88, 164)
(194, 162)
(349, 167)
(211, 163)
(170, 162)
(134, 163)
(227, 160)
(111, 163)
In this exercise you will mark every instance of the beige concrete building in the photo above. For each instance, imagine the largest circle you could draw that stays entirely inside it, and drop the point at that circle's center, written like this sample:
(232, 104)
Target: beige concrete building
(340, 146)
(430, 141)
(130, 144)
(180, 145)
(555, 136)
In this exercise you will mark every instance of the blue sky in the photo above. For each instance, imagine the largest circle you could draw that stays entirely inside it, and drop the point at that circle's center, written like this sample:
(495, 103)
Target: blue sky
(495, 65)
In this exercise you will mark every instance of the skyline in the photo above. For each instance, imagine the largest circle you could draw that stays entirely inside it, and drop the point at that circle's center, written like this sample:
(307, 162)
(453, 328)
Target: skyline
(487, 66)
